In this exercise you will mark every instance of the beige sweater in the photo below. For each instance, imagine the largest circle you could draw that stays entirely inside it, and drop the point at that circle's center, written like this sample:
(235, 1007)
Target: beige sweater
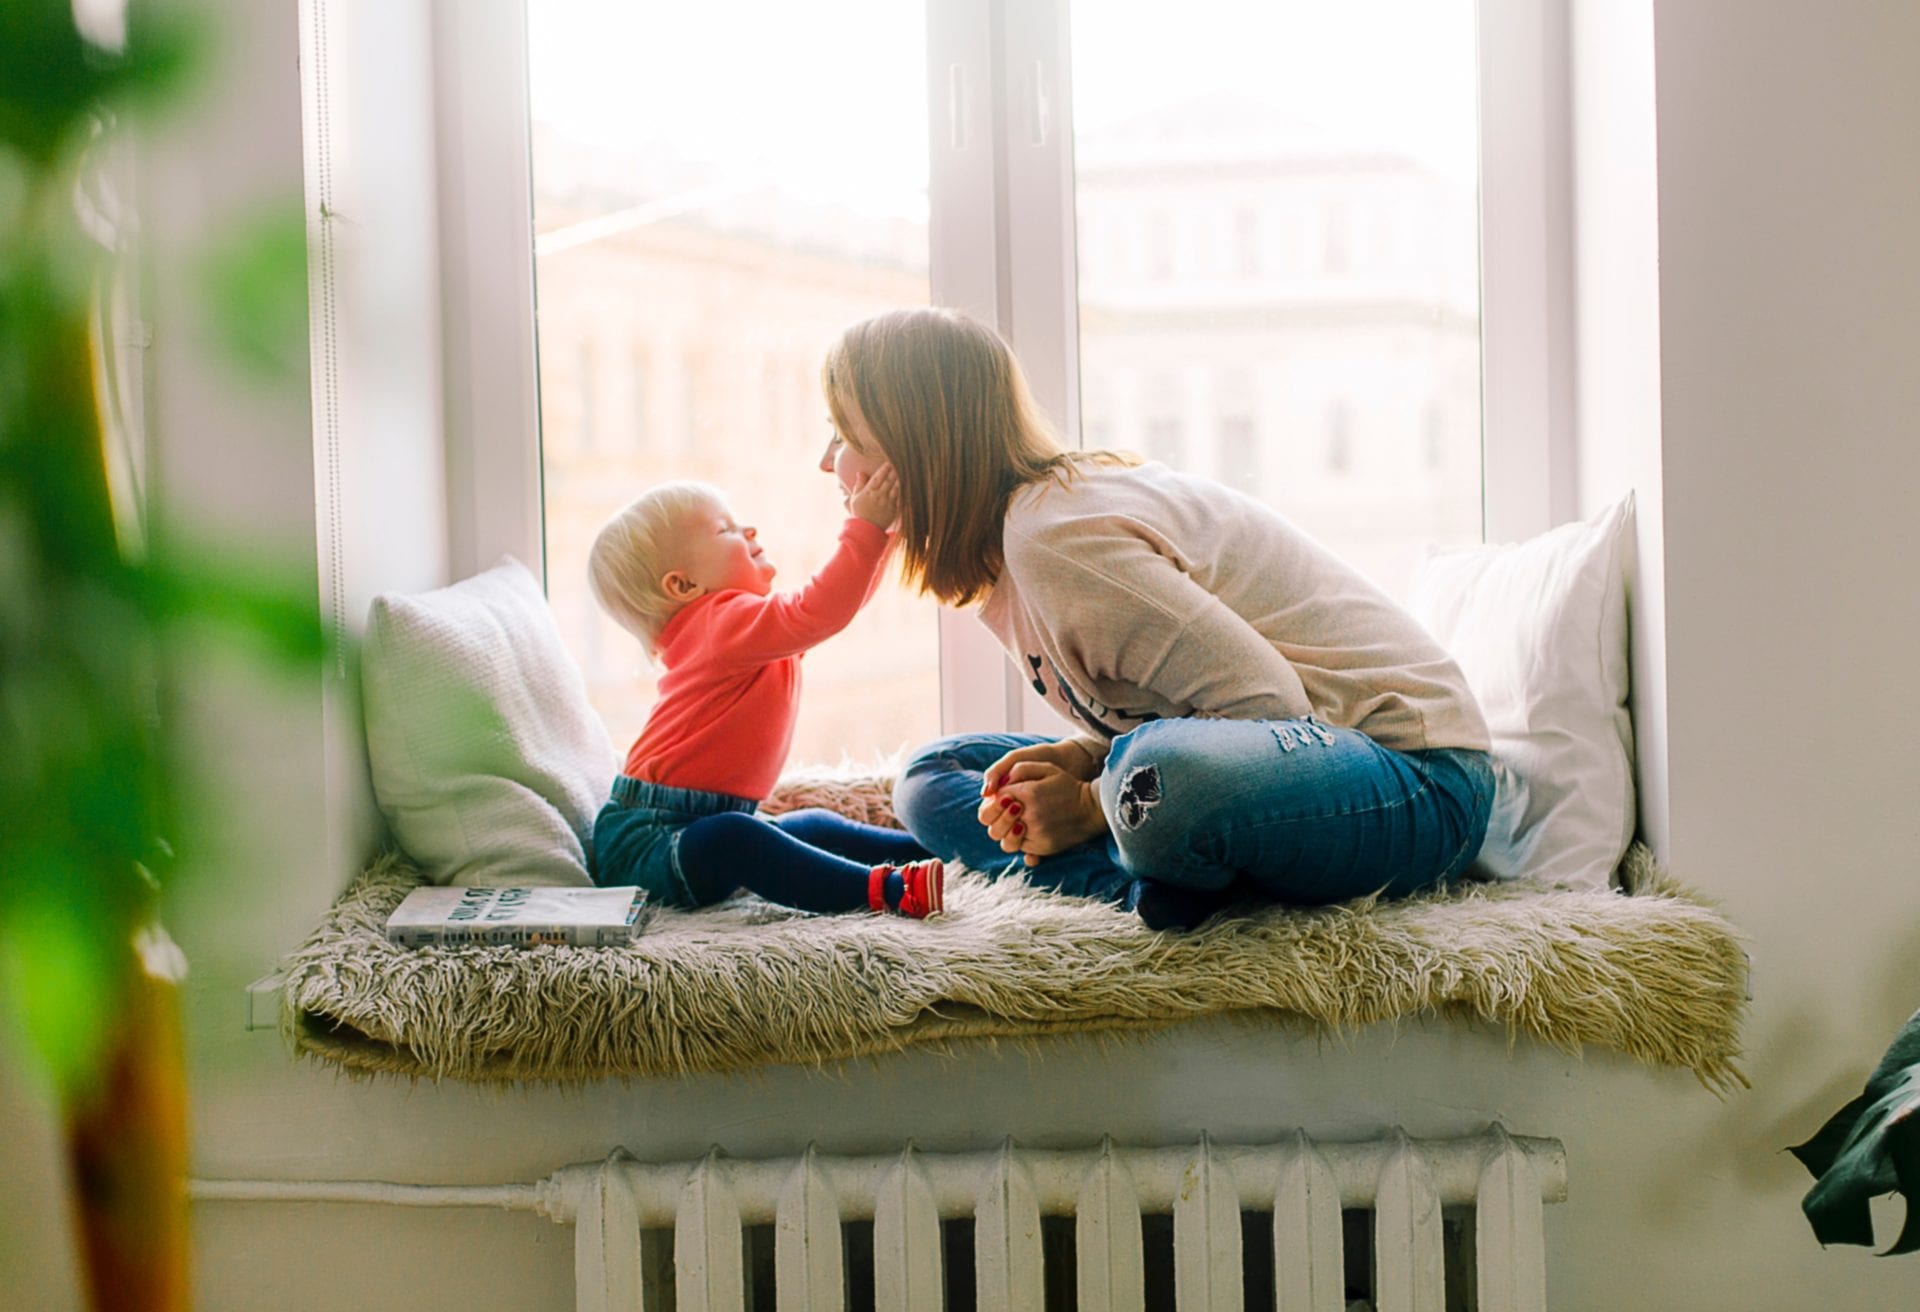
(1138, 594)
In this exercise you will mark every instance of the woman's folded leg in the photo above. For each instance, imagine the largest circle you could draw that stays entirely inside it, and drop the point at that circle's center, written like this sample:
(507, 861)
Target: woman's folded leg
(937, 798)
(1299, 811)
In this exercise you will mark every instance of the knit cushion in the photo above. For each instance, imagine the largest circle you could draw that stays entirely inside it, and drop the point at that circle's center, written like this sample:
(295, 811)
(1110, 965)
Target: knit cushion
(488, 760)
(1540, 631)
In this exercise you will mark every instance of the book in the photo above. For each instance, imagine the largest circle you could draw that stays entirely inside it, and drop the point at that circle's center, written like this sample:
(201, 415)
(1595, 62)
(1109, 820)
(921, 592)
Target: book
(517, 917)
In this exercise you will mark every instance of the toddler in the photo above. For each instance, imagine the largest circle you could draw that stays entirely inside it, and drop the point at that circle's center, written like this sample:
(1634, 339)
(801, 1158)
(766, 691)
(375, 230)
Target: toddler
(676, 570)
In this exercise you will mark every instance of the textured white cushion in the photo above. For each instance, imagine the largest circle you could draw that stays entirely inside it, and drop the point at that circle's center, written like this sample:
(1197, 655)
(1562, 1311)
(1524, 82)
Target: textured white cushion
(488, 760)
(1540, 630)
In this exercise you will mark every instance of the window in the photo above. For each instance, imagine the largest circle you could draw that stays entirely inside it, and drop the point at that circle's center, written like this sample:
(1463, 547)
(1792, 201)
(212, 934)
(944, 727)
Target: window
(1159, 246)
(740, 210)
(1335, 239)
(587, 415)
(1340, 437)
(1166, 441)
(1164, 431)
(1246, 240)
(1350, 122)
(1237, 461)
(640, 396)
(1156, 201)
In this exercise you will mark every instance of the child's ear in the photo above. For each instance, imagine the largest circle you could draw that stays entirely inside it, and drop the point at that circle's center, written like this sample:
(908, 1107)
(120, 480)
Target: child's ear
(679, 587)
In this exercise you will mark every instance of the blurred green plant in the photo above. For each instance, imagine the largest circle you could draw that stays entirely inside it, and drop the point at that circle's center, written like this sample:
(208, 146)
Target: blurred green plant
(1870, 1147)
(256, 292)
(95, 809)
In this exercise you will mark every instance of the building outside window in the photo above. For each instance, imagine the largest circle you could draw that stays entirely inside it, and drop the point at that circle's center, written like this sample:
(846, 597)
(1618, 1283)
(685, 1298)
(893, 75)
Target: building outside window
(743, 243)
(1246, 240)
(1338, 126)
(640, 393)
(1166, 441)
(1237, 457)
(1340, 437)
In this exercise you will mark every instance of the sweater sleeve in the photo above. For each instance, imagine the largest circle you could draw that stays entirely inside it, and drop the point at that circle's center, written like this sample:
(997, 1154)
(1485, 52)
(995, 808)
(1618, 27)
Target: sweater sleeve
(761, 629)
(1133, 617)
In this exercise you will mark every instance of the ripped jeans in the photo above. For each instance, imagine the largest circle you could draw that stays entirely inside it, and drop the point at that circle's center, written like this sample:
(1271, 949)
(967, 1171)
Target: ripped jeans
(1288, 811)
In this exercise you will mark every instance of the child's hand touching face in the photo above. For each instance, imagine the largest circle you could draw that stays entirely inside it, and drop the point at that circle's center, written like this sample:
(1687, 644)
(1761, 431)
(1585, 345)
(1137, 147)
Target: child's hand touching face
(876, 497)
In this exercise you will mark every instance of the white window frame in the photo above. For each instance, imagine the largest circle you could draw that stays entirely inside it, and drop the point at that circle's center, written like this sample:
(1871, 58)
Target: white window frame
(1527, 322)
(483, 142)
(1003, 249)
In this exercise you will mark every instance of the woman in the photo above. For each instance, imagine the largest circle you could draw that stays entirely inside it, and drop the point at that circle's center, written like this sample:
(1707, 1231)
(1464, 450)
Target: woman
(1255, 719)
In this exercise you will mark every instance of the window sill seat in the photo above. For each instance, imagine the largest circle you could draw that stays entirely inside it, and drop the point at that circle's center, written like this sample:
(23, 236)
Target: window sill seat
(1657, 975)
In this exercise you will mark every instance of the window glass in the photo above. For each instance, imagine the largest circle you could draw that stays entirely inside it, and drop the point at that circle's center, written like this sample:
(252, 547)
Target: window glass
(718, 190)
(1276, 209)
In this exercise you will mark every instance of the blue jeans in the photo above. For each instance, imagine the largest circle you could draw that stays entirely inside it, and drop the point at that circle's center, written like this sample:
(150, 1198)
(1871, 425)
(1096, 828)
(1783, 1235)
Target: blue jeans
(689, 848)
(1287, 811)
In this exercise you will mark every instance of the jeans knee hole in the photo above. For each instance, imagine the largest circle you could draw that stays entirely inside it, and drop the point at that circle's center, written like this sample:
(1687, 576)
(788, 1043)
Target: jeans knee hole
(1139, 794)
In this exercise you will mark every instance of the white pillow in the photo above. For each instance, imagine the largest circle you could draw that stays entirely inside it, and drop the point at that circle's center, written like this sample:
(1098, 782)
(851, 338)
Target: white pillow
(488, 760)
(1540, 631)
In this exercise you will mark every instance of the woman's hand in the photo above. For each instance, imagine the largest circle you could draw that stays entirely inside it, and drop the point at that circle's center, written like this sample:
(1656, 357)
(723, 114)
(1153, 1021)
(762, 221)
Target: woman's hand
(1067, 754)
(1040, 809)
(877, 498)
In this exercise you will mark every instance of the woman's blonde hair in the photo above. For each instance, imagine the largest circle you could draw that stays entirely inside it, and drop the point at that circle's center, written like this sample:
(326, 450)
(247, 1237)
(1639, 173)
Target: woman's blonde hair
(636, 549)
(946, 402)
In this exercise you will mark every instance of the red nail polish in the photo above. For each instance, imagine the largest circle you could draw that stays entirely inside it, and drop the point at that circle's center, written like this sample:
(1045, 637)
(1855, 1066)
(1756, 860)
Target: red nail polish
(1019, 829)
(1013, 808)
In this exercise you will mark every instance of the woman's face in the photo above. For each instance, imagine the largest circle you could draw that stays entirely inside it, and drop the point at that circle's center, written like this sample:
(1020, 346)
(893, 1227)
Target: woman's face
(851, 457)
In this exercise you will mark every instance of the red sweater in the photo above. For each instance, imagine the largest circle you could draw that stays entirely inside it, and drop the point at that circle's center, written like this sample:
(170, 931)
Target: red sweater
(724, 718)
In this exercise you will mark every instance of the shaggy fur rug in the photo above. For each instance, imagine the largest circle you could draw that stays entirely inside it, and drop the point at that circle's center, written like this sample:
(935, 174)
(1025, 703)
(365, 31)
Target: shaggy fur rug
(1657, 975)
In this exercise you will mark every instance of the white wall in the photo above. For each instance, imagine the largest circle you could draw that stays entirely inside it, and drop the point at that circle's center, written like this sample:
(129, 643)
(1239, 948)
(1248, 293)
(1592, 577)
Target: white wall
(37, 1244)
(1789, 328)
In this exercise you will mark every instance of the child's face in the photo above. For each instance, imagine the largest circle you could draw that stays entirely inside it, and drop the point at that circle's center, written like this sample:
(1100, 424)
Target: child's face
(720, 554)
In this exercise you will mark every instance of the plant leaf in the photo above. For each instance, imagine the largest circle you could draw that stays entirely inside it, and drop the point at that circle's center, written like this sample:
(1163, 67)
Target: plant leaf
(1903, 1144)
(53, 80)
(1870, 1147)
(255, 284)
(62, 976)
(1817, 1153)
(249, 594)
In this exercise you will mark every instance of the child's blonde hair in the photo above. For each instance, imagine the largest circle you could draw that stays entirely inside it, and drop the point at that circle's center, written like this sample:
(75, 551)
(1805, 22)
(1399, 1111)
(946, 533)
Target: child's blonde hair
(634, 551)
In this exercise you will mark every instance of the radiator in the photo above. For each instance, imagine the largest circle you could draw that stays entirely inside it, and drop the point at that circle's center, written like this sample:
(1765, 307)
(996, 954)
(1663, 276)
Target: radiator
(1454, 1224)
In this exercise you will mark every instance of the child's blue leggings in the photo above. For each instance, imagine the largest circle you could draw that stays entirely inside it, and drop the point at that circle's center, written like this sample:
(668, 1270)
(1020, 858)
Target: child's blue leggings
(690, 848)
(814, 860)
